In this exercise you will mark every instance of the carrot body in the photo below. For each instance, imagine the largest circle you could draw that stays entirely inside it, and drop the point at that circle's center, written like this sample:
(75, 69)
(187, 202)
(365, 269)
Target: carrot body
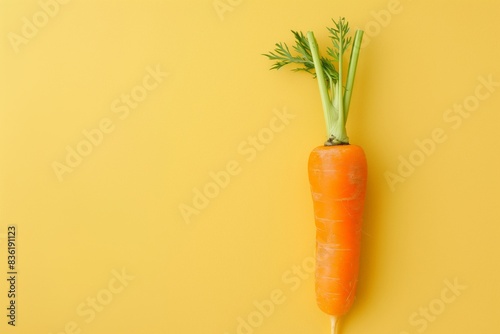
(337, 176)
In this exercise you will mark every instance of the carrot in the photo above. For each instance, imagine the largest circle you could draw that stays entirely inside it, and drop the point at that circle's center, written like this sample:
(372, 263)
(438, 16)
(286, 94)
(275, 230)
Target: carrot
(337, 177)
(337, 170)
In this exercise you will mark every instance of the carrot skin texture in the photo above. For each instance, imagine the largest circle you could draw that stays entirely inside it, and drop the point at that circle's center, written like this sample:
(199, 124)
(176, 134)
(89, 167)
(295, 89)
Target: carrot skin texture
(337, 177)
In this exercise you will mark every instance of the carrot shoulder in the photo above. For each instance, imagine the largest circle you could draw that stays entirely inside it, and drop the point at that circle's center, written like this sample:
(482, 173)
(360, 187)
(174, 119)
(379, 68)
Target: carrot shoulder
(337, 176)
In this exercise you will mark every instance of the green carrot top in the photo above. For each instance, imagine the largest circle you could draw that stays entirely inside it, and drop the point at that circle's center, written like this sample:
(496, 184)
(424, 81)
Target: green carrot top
(335, 92)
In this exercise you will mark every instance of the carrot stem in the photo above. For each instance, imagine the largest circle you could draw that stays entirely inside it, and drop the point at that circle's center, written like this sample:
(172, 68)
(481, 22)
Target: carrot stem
(320, 76)
(351, 71)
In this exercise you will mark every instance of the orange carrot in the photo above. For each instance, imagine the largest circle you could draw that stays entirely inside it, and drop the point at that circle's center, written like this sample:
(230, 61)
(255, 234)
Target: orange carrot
(337, 176)
(337, 170)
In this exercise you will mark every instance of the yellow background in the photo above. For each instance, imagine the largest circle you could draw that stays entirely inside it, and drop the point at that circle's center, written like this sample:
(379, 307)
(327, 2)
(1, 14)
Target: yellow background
(118, 211)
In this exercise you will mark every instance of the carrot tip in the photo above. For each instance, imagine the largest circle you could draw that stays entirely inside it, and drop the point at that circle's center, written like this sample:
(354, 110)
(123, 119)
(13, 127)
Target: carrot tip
(334, 322)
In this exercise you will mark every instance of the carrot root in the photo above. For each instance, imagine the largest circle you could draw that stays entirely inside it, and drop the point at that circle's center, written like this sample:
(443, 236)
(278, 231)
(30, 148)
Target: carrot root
(337, 176)
(334, 321)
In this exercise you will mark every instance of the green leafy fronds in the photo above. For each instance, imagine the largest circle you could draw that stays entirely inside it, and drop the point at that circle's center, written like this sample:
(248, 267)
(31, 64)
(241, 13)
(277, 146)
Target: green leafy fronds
(339, 38)
(302, 57)
(334, 91)
(282, 55)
